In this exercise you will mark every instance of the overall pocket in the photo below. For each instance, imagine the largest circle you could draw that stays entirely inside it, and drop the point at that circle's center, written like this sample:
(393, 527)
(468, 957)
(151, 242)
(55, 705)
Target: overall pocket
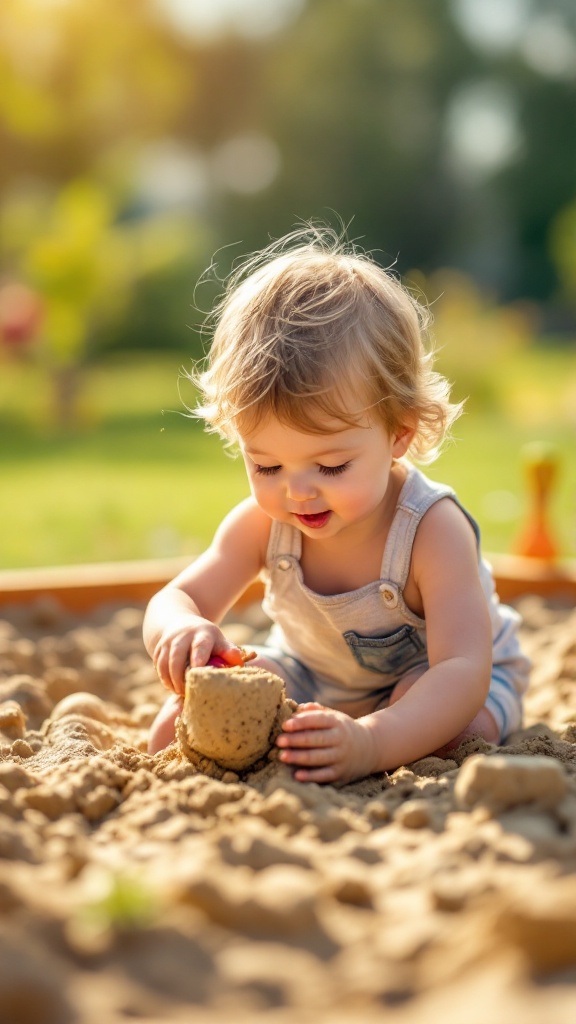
(387, 655)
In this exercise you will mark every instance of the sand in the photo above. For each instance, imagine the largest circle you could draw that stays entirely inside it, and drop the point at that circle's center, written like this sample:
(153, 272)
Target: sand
(141, 888)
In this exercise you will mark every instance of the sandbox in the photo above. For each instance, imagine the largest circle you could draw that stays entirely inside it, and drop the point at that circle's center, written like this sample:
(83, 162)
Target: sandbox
(139, 888)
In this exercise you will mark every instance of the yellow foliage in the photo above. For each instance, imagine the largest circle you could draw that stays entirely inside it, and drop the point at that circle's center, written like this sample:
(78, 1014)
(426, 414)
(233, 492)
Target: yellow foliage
(82, 262)
(471, 332)
(65, 327)
(97, 68)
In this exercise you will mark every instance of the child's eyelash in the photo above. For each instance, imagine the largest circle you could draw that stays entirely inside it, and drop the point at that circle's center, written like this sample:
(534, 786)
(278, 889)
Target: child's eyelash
(334, 470)
(325, 470)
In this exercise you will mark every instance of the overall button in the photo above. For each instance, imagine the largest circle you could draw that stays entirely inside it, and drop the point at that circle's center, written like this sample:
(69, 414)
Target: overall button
(284, 563)
(389, 595)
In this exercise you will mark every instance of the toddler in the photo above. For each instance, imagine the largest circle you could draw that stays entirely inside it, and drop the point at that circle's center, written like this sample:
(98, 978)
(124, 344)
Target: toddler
(386, 627)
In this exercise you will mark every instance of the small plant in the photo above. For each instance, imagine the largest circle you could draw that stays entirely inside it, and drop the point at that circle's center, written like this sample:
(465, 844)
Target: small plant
(116, 903)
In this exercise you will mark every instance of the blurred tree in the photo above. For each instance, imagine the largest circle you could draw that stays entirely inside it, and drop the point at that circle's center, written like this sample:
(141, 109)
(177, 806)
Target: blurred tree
(83, 265)
(83, 87)
(439, 148)
(473, 334)
(78, 79)
(442, 133)
(563, 245)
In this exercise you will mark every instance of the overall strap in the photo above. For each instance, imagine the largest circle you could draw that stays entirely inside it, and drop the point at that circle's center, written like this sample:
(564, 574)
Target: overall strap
(417, 495)
(284, 540)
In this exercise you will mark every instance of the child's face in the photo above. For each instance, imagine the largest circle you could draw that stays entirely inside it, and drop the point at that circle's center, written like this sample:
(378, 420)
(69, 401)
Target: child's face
(322, 483)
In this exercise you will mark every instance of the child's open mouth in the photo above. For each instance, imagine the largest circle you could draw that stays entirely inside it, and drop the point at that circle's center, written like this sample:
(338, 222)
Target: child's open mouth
(315, 519)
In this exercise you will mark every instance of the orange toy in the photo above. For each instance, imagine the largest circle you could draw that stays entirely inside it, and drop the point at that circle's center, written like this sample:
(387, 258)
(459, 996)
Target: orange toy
(541, 464)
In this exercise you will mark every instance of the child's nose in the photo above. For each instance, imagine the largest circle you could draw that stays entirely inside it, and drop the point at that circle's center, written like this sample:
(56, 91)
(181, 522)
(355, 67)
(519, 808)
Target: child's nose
(301, 487)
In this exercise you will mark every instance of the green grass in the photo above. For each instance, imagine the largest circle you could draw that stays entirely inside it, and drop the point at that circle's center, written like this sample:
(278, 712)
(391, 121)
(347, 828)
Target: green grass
(137, 479)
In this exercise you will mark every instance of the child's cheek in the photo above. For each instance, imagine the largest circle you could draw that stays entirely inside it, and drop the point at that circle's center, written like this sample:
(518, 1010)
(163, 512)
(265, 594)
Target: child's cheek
(267, 497)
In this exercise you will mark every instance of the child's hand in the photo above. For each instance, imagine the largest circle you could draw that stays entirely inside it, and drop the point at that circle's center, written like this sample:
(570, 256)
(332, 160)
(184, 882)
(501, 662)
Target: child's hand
(190, 642)
(325, 745)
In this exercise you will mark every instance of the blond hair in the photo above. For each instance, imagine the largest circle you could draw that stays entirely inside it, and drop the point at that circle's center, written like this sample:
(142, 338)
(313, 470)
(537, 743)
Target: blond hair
(310, 322)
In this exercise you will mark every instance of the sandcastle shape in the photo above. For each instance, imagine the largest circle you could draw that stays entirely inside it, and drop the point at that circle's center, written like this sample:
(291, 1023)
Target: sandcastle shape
(232, 716)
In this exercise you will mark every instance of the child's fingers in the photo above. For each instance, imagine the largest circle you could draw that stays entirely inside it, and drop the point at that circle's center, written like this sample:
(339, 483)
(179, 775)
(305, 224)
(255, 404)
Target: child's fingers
(200, 648)
(328, 773)
(307, 739)
(165, 666)
(315, 719)
(160, 659)
(172, 656)
(312, 757)
(177, 663)
(210, 642)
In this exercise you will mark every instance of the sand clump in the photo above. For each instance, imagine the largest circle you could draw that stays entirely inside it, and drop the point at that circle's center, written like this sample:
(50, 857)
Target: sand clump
(499, 782)
(231, 717)
(201, 884)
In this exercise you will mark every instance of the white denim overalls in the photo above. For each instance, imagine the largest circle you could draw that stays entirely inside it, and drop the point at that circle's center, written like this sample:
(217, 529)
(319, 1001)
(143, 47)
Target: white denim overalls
(347, 647)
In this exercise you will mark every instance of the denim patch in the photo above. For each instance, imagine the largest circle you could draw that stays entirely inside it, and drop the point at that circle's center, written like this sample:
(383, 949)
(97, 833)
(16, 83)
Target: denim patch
(387, 655)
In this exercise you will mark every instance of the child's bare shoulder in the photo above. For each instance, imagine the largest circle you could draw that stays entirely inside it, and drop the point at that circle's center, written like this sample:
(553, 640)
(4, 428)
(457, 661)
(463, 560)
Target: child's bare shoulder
(247, 513)
(246, 524)
(444, 535)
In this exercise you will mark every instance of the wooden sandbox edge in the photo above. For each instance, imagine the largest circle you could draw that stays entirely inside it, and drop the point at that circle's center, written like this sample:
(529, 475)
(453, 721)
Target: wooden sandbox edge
(81, 587)
(516, 576)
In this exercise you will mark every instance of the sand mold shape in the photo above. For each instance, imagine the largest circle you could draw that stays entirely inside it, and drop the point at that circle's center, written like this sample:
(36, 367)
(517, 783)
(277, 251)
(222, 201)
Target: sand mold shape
(231, 716)
(138, 887)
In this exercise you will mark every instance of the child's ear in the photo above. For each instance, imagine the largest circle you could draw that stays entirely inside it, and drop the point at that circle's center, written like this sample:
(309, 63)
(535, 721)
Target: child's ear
(401, 440)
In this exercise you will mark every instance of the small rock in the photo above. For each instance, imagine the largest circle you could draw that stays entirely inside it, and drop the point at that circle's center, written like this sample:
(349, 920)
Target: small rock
(12, 720)
(414, 814)
(499, 782)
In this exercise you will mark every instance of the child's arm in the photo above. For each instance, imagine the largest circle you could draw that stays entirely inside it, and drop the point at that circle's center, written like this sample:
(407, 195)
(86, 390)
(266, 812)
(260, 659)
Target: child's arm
(326, 745)
(179, 624)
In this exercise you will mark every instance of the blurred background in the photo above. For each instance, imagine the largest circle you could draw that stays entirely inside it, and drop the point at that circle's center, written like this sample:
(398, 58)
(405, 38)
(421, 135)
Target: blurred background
(145, 141)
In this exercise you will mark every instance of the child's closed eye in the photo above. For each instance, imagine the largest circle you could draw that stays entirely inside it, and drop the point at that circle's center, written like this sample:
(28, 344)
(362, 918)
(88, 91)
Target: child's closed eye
(334, 470)
(325, 470)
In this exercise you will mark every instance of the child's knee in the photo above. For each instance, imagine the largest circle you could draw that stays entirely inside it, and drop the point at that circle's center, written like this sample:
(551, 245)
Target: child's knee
(483, 724)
